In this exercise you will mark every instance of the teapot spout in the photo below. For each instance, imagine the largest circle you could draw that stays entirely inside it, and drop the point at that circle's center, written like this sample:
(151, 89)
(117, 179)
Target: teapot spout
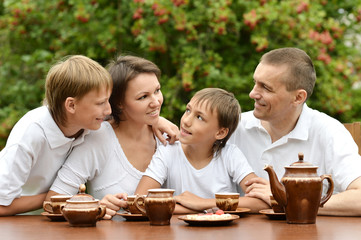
(277, 188)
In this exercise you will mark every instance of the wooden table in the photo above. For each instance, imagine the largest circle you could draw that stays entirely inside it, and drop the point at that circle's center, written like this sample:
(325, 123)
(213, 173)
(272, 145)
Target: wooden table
(249, 226)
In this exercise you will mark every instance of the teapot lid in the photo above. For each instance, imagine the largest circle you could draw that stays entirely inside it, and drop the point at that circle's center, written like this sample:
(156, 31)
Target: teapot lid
(82, 196)
(300, 162)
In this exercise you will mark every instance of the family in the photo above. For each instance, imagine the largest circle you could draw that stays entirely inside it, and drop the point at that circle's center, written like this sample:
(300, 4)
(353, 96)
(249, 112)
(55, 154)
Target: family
(103, 127)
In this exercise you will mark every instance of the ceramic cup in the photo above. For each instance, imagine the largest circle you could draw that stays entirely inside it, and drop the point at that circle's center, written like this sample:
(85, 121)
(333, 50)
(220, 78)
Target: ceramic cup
(55, 204)
(159, 205)
(275, 206)
(227, 201)
(131, 206)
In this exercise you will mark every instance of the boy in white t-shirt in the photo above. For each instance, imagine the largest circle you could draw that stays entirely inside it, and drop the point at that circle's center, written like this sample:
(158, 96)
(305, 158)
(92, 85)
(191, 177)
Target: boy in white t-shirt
(76, 101)
(202, 164)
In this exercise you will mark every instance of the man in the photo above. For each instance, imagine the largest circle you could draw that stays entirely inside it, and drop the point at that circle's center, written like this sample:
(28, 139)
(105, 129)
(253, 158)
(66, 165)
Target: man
(282, 125)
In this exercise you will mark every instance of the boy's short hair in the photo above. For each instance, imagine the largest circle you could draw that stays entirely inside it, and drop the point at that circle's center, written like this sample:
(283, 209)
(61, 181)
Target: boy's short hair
(124, 69)
(227, 108)
(73, 76)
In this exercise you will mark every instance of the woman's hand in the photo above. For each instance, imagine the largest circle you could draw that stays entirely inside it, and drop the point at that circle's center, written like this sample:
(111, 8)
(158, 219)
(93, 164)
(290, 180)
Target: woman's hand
(114, 203)
(165, 126)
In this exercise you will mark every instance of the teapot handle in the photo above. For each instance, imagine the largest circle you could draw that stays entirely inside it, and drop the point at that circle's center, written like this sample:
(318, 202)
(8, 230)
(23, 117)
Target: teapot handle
(140, 208)
(101, 211)
(325, 198)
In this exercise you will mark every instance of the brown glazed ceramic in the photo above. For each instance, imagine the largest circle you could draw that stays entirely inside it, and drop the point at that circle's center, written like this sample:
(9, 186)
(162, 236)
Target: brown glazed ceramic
(275, 206)
(55, 204)
(82, 210)
(300, 192)
(227, 201)
(131, 206)
(159, 205)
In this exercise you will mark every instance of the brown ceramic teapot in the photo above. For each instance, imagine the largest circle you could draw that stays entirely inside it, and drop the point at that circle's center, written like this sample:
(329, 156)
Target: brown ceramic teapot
(300, 192)
(82, 210)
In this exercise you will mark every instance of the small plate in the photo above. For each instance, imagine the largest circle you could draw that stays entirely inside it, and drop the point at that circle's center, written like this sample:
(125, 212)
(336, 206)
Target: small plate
(54, 217)
(133, 217)
(272, 215)
(239, 211)
(217, 222)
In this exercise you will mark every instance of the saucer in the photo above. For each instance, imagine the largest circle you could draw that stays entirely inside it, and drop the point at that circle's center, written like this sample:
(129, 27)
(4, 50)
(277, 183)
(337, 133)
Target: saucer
(133, 217)
(239, 211)
(272, 215)
(208, 222)
(54, 217)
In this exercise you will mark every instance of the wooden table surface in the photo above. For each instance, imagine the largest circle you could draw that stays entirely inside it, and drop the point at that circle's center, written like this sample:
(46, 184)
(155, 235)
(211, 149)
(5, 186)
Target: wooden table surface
(249, 226)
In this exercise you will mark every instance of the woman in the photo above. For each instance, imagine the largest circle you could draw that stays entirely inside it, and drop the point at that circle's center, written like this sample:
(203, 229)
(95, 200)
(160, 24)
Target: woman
(114, 158)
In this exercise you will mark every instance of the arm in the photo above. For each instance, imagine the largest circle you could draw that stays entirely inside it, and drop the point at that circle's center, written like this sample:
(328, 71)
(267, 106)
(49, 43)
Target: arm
(258, 187)
(179, 209)
(146, 183)
(346, 203)
(165, 126)
(192, 203)
(255, 204)
(16, 164)
(343, 162)
(49, 195)
(23, 204)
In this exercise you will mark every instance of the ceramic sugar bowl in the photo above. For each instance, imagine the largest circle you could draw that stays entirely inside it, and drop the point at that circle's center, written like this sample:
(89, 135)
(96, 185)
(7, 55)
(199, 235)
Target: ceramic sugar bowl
(82, 210)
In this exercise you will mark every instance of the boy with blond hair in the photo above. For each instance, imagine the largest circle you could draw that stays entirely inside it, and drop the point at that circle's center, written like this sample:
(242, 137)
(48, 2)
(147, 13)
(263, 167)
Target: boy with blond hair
(76, 101)
(201, 163)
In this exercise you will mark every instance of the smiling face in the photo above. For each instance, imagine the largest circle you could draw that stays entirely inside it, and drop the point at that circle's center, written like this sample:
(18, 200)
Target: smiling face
(91, 109)
(143, 99)
(199, 125)
(272, 100)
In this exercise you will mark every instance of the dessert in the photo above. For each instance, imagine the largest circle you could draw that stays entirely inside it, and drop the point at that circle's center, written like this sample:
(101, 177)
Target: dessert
(218, 215)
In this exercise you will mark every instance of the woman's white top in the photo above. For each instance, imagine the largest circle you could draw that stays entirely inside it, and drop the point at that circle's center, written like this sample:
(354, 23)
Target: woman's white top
(101, 163)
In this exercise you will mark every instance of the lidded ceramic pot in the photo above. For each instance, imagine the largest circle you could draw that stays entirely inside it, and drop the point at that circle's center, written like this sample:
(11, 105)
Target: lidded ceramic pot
(82, 210)
(300, 190)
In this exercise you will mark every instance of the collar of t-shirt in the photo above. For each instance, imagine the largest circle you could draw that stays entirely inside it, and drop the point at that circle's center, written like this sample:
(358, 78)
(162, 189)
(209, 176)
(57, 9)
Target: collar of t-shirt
(300, 131)
(55, 136)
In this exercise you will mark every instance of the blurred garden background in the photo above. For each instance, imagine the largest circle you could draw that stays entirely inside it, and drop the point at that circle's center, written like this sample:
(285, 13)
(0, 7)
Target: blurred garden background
(196, 44)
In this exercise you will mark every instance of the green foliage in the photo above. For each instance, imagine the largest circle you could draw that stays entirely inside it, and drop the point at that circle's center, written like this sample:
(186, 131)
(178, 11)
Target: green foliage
(196, 43)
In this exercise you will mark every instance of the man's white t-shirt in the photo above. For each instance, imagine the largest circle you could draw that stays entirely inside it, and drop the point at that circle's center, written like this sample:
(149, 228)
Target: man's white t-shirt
(323, 140)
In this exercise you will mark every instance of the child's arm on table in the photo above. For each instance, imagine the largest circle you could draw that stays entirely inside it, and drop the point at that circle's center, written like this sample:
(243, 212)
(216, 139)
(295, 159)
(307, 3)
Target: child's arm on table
(193, 202)
(50, 194)
(23, 204)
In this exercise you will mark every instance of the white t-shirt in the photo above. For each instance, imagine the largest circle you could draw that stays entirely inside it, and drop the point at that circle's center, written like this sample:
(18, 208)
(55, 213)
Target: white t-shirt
(34, 152)
(324, 141)
(170, 167)
(101, 163)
